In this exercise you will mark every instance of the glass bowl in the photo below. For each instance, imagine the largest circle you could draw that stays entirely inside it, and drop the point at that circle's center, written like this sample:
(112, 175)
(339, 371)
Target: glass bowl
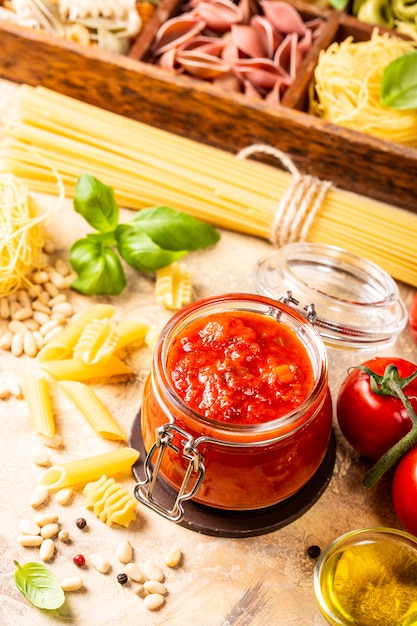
(368, 577)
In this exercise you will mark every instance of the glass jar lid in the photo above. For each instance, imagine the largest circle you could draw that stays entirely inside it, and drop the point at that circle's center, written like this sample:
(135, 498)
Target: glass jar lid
(353, 302)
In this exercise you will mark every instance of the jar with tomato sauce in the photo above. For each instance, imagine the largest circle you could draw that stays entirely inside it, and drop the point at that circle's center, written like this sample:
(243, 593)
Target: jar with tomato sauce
(236, 412)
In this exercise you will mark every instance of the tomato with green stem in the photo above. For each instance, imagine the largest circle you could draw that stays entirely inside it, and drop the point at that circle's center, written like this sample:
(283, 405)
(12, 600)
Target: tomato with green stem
(404, 491)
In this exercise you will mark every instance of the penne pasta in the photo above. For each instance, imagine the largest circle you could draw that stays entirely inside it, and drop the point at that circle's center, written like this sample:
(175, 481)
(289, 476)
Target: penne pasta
(173, 286)
(62, 345)
(90, 468)
(93, 410)
(131, 333)
(36, 393)
(75, 369)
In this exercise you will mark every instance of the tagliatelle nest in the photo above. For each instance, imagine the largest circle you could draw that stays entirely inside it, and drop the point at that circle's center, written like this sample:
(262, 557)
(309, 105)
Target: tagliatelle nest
(22, 234)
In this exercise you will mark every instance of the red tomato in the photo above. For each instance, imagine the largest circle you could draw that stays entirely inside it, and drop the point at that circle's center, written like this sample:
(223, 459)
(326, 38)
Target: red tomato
(404, 491)
(371, 423)
(412, 318)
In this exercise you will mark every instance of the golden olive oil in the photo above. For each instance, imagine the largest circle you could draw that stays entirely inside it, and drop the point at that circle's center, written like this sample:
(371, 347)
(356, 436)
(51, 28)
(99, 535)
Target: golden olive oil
(371, 584)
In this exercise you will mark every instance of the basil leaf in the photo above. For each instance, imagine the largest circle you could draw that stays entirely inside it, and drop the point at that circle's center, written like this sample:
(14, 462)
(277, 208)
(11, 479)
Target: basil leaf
(39, 585)
(98, 267)
(399, 83)
(340, 5)
(95, 202)
(173, 230)
(139, 251)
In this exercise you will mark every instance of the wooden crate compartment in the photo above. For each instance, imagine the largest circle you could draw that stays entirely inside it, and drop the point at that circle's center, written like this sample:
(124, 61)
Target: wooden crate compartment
(131, 86)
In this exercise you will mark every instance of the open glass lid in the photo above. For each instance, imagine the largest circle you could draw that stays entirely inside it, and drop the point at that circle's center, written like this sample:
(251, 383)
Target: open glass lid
(353, 303)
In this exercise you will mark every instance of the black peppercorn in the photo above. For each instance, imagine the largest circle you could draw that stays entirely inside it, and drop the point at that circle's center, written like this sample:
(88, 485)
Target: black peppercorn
(80, 522)
(122, 578)
(313, 552)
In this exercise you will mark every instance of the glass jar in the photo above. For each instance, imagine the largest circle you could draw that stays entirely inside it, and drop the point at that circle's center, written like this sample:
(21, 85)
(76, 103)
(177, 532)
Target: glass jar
(368, 577)
(227, 465)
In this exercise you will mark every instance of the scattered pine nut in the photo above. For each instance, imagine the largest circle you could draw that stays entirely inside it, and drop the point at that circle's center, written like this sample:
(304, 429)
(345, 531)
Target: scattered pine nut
(173, 557)
(72, 583)
(153, 601)
(50, 530)
(28, 527)
(134, 572)
(47, 550)
(99, 563)
(64, 496)
(154, 586)
(40, 457)
(39, 496)
(30, 541)
(42, 519)
(152, 571)
(124, 552)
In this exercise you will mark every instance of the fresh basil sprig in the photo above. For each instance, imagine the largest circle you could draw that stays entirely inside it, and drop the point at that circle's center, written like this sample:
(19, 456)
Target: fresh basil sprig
(154, 238)
(39, 585)
(399, 83)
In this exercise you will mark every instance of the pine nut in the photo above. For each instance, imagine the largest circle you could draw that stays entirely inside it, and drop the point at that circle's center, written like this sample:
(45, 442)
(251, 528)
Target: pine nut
(12, 297)
(61, 267)
(57, 280)
(99, 563)
(51, 288)
(40, 457)
(32, 324)
(124, 552)
(41, 317)
(30, 541)
(59, 317)
(49, 246)
(4, 309)
(52, 333)
(17, 327)
(14, 308)
(39, 277)
(173, 557)
(39, 496)
(154, 601)
(152, 571)
(134, 572)
(24, 299)
(17, 344)
(29, 344)
(52, 442)
(154, 586)
(24, 313)
(42, 519)
(47, 550)
(27, 527)
(50, 530)
(72, 583)
(33, 291)
(48, 326)
(57, 300)
(63, 307)
(39, 340)
(6, 340)
(38, 305)
(139, 590)
(63, 496)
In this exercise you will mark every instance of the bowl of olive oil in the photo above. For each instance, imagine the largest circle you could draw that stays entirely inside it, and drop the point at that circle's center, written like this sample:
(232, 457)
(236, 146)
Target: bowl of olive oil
(368, 577)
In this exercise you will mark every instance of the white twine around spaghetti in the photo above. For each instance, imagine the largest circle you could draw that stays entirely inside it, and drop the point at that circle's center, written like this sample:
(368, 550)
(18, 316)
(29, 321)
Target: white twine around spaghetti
(299, 204)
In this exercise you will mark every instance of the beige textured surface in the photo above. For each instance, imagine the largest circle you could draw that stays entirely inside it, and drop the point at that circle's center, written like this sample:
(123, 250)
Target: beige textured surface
(259, 581)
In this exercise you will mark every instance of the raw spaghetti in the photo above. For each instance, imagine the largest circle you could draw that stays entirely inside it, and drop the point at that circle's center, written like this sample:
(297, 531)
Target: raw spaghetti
(347, 83)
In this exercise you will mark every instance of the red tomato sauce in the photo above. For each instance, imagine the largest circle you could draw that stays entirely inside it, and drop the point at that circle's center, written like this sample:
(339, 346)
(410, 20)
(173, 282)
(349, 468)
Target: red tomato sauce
(240, 367)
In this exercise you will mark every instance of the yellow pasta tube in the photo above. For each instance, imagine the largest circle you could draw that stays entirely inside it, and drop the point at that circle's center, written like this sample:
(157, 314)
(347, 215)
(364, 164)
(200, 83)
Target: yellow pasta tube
(90, 468)
(75, 369)
(131, 333)
(63, 344)
(91, 407)
(37, 396)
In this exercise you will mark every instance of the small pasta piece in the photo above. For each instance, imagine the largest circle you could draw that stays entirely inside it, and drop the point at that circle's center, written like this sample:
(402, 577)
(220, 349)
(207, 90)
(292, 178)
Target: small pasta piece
(90, 468)
(152, 337)
(110, 502)
(74, 369)
(63, 344)
(37, 396)
(173, 287)
(93, 410)
(97, 342)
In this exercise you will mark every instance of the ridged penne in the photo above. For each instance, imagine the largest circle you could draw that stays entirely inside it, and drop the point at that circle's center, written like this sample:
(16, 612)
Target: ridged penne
(83, 471)
(36, 393)
(131, 333)
(173, 286)
(74, 369)
(96, 342)
(110, 502)
(62, 345)
(94, 411)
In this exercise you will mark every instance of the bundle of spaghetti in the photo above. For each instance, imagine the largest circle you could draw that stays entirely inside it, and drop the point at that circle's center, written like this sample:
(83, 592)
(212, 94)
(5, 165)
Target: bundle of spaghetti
(346, 88)
(22, 236)
(147, 166)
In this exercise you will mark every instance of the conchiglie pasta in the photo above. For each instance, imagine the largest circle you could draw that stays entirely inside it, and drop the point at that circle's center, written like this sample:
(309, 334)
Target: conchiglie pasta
(97, 342)
(173, 287)
(110, 502)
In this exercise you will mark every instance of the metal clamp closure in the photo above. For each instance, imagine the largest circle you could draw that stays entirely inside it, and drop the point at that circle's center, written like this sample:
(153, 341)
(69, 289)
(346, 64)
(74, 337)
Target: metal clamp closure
(164, 439)
(308, 311)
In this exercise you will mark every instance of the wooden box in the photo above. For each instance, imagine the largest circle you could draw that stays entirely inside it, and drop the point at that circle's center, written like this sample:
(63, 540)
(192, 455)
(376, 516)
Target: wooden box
(131, 86)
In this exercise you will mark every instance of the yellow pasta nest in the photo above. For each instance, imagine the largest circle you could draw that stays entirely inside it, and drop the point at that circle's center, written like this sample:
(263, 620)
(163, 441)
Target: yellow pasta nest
(22, 234)
(173, 286)
(346, 89)
(110, 502)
